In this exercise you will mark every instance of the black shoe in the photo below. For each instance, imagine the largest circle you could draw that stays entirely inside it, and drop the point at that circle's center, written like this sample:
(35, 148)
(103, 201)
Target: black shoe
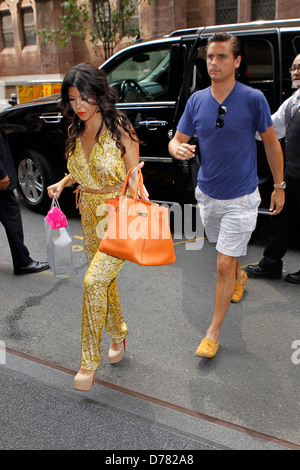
(294, 278)
(33, 267)
(256, 271)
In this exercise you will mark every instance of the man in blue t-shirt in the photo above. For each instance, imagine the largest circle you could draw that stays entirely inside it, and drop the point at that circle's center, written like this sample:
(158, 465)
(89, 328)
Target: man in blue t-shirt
(225, 118)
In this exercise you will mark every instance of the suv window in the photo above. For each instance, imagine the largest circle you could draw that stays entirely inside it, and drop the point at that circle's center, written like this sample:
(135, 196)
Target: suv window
(290, 48)
(258, 68)
(144, 76)
(199, 78)
(296, 44)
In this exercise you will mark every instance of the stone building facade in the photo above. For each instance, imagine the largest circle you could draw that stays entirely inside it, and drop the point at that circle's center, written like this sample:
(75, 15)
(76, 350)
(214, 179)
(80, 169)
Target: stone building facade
(23, 58)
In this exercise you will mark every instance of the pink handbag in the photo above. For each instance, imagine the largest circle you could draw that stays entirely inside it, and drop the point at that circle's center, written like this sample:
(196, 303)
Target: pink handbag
(55, 216)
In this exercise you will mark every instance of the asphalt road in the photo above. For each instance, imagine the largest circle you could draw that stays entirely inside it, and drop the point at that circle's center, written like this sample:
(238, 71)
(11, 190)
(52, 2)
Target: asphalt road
(250, 389)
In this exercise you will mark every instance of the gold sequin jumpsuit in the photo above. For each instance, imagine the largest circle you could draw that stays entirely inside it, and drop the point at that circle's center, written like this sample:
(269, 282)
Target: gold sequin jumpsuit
(104, 174)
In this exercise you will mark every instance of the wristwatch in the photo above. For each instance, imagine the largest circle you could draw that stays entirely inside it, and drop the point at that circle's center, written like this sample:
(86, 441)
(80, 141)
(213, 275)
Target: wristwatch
(280, 185)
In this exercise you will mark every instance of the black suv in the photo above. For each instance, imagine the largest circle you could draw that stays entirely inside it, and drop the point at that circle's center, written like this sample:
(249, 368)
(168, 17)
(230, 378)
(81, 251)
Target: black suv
(154, 79)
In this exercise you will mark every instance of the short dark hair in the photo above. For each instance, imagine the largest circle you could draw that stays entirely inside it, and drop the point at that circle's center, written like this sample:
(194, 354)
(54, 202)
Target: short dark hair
(222, 37)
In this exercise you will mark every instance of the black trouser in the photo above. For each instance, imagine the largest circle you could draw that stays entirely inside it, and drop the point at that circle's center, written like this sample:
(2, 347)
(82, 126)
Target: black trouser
(10, 217)
(282, 228)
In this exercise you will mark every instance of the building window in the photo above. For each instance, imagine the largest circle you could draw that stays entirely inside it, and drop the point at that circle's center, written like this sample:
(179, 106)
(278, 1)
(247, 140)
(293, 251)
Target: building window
(28, 26)
(263, 10)
(226, 11)
(7, 33)
(133, 25)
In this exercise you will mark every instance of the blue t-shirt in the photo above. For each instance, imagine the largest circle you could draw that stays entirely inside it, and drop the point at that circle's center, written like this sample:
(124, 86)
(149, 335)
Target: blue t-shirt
(228, 155)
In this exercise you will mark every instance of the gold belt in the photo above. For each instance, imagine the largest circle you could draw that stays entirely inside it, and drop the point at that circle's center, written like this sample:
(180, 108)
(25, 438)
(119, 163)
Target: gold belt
(108, 189)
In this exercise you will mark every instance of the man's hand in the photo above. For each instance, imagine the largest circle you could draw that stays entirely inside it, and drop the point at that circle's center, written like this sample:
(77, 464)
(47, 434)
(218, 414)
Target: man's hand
(184, 151)
(180, 148)
(277, 201)
(4, 183)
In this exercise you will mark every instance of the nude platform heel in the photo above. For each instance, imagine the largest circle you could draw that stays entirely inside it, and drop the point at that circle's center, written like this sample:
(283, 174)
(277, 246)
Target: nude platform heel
(84, 382)
(116, 356)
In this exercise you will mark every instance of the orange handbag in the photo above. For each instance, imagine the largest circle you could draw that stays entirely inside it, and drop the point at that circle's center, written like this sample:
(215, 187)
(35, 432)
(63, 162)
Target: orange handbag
(138, 230)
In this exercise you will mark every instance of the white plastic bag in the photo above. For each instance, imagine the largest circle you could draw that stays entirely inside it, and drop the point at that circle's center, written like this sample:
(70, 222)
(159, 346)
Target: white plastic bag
(58, 247)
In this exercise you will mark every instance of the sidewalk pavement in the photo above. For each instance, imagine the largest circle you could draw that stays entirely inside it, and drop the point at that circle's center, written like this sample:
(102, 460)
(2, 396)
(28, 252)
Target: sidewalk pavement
(40, 411)
(160, 396)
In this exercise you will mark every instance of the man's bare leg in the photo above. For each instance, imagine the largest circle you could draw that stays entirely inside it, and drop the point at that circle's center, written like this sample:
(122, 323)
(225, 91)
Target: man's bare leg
(227, 270)
(240, 275)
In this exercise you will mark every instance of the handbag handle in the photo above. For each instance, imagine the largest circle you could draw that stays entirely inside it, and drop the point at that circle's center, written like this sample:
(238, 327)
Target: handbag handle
(54, 202)
(140, 182)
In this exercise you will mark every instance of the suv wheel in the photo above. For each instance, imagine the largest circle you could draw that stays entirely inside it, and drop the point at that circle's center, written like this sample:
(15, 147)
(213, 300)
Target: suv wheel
(34, 175)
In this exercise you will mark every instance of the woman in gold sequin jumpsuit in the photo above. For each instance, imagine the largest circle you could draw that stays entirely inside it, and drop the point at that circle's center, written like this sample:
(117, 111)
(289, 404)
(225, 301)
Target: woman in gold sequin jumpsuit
(101, 148)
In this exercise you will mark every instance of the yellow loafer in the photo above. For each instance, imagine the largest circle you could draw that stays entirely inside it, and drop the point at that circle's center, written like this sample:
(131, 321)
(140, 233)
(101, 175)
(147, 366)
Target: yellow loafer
(239, 290)
(207, 348)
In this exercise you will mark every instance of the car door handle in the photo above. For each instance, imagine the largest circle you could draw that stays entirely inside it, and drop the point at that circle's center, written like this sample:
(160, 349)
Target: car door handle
(51, 118)
(153, 125)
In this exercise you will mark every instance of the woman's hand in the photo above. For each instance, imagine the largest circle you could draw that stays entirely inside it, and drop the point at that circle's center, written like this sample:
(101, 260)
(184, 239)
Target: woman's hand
(55, 190)
(134, 178)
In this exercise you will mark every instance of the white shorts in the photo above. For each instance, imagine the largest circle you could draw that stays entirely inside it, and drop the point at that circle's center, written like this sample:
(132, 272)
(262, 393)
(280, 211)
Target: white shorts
(230, 222)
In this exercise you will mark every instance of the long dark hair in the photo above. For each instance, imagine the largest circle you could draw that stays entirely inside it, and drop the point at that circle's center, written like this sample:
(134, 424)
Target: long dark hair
(92, 84)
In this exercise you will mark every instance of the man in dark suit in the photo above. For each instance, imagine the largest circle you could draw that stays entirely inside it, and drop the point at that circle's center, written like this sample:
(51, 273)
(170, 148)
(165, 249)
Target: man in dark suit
(10, 215)
(285, 225)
